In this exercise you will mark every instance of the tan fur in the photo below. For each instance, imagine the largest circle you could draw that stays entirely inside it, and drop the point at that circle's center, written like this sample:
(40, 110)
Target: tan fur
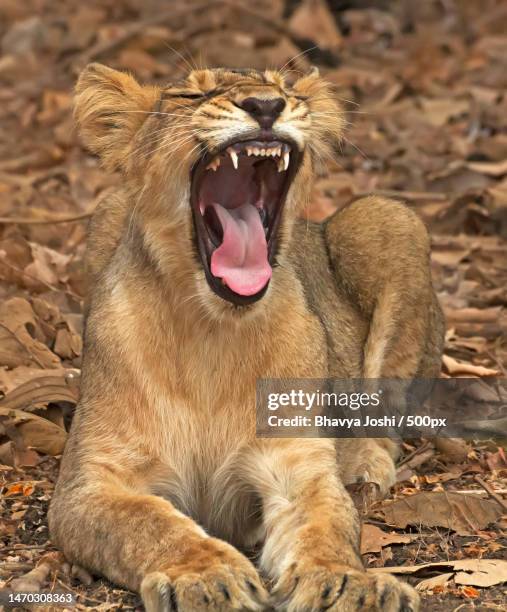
(163, 479)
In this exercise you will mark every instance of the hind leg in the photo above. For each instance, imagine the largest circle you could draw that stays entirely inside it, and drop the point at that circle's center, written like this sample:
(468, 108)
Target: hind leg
(367, 460)
(379, 250)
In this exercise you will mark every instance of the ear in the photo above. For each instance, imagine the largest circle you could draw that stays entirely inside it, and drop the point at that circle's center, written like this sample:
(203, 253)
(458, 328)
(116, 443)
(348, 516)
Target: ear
(109, 108)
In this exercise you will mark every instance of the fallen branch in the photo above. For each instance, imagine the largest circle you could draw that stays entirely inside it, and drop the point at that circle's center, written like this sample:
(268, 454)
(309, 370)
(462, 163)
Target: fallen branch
(59, 219)
(415, 452)
(491, 492)
(421, 196)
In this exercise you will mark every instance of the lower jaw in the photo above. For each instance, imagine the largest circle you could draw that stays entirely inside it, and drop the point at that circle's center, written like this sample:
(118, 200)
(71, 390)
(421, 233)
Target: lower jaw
(234, 299)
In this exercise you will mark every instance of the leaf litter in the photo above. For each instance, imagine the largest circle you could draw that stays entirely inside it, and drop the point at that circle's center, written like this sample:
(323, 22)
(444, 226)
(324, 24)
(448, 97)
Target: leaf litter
(423, 87)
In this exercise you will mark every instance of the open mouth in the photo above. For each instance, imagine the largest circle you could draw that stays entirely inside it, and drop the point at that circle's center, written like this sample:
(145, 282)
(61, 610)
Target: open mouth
(237, 200)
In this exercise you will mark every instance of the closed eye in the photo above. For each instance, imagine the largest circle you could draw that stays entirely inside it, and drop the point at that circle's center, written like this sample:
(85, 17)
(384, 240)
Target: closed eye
(187, 96)
(190, 95)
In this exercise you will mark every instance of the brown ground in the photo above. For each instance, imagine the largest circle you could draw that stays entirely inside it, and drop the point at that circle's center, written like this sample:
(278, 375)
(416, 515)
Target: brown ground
(424, 86)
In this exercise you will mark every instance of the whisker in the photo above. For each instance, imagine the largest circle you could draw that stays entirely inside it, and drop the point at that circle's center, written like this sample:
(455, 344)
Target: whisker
(181, 56)
(176, 145)
(356, 147)
(334, 99)
(176, 142)
(291, 59)
(162, 136)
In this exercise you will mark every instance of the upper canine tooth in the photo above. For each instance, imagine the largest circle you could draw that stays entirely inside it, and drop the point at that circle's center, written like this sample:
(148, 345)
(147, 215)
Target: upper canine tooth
(286, 157)
(234, 157)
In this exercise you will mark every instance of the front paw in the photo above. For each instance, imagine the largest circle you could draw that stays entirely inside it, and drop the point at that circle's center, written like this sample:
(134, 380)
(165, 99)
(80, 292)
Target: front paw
(217, 578)
(335, 588)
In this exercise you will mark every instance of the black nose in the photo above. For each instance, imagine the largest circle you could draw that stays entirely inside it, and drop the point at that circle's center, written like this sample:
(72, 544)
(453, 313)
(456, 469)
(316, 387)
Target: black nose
(266, 112)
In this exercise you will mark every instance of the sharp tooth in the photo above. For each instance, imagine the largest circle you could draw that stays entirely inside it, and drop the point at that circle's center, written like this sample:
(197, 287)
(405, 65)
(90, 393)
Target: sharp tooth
(234, 157)
(213, 165)
(279, 151)
(280, 165)
(286, 157)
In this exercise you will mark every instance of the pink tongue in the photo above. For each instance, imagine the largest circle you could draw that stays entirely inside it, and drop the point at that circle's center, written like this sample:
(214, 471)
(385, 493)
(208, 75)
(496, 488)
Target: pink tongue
(242, 258)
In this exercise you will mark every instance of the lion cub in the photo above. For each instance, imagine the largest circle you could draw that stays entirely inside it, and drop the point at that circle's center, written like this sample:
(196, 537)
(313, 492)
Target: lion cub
(203, 281)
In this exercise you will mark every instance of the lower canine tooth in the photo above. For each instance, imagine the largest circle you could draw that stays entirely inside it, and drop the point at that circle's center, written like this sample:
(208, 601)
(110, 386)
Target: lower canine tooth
(213, 165)
(286, 157)
(234, 158)
(280, 165)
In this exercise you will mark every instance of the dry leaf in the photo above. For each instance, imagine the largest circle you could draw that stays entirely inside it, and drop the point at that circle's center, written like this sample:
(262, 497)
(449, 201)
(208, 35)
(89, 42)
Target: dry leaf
(453, 450)
(481, 572)
(476, 572)
(68, 344)
(47, 267)
(19, 488)
(42, 388)
(373, 539)
(33, 431)
(430, 584)
(462, 513)
(456, 368)
(20, 337)
(16, 456)
(439, 111)
(312, 20)
(470, 592)
(490, 168)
